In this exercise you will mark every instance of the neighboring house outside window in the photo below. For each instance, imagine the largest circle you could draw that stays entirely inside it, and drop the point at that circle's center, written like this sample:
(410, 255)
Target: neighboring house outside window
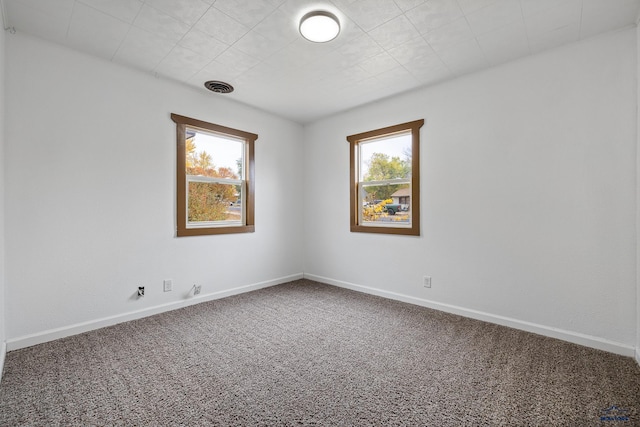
(402, 197)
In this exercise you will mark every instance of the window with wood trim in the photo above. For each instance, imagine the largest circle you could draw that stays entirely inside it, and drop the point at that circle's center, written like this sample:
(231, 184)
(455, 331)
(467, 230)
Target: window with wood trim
(215, 178)
(385, 180)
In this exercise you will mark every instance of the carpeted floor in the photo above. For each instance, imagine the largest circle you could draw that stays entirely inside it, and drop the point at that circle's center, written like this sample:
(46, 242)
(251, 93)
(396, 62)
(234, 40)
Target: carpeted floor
(305, 353)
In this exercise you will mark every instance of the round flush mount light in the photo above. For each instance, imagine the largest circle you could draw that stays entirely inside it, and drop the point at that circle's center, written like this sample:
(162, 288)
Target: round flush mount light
(319, 26)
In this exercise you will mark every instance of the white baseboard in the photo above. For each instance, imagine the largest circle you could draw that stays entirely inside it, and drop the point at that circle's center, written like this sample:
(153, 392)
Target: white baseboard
(57, 333)
(573, 337)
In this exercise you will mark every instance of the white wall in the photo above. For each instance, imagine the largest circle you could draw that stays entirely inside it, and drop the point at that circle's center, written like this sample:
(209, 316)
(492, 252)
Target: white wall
(2, 162)
(90, 194)
(528, 196)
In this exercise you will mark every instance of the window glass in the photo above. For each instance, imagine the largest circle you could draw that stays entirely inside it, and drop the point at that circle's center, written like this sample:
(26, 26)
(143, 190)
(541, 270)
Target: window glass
(215, 179)
(386, 158)
(385, 181)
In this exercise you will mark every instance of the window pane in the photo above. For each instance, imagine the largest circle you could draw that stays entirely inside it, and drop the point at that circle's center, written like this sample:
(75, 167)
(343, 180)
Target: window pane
(213, 202)
(394, 211)
(219, 157)
(208, 154)
(386, 158)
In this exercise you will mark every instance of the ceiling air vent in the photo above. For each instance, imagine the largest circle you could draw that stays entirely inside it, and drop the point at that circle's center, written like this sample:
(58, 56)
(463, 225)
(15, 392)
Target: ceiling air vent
(218, 87)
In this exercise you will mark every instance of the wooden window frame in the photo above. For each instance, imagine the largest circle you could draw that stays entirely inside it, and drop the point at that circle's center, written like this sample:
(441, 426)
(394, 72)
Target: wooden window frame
(182, 123)
(354, 141)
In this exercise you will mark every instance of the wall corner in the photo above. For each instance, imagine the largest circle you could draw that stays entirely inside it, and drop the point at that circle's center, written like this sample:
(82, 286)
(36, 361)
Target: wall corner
(638, 190)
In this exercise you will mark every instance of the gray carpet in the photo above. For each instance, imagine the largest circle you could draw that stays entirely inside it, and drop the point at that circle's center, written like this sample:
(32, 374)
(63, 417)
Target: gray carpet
(305, 353)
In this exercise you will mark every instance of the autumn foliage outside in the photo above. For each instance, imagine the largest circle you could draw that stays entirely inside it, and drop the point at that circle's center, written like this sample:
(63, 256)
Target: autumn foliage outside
(209, 201)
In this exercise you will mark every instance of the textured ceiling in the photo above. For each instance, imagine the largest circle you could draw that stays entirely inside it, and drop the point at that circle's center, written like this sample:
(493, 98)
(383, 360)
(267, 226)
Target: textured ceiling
(385, 47)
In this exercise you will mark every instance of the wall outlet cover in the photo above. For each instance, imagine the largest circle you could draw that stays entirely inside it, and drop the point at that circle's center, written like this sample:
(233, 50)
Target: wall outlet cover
(426, 281)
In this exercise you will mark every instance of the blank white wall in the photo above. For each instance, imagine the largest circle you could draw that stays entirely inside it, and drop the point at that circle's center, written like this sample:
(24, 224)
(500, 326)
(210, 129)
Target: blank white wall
(90, 192)
(528, 193)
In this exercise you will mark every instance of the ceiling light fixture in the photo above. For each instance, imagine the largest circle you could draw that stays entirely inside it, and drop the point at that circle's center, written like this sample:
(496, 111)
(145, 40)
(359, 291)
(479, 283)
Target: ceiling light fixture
(319, 26)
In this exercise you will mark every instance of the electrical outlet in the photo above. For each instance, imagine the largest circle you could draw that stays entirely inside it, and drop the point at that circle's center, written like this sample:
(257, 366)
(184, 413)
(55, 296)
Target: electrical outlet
(426, 281)
(140, 291)
(168, 285)
(197, 289)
